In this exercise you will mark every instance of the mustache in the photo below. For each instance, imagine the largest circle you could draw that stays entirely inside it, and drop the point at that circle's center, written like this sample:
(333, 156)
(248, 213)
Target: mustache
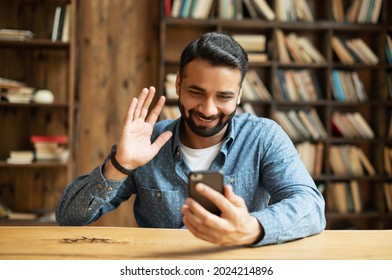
(201, 115)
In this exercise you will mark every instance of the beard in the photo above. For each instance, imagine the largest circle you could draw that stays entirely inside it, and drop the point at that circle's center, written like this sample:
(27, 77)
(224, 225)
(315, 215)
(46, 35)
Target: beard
(204, 131)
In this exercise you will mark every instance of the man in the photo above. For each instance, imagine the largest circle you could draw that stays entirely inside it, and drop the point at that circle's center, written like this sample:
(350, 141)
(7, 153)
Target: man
(269, 196)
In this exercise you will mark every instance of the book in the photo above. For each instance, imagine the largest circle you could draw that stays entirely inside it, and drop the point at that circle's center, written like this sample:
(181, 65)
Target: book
(306, 120)
(251, 42)
(341, 51)
(288, 127)
(258, 85)
(387, 161)
(337, 10)
(56, 23)
(251, 9)
(263, 9)
(303, 10)
(388, 196)
(176, 8)
(365, 162)
(60, 139)
(65, 34)
(283, 53)
(15, 35)
(20, 157)
(353, 11)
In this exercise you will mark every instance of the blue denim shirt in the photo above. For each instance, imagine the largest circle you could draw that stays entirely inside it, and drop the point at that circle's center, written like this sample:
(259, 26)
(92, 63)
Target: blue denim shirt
(258, 159)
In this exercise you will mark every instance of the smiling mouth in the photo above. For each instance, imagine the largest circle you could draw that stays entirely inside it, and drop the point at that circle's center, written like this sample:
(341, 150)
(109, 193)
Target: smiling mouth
(202, 120)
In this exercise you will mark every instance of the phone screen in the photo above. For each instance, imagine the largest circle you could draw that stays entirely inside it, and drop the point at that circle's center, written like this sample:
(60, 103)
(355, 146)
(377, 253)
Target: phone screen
(212, 179)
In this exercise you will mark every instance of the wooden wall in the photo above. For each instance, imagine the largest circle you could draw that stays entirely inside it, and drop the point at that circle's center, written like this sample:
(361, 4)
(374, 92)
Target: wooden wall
(117, 56)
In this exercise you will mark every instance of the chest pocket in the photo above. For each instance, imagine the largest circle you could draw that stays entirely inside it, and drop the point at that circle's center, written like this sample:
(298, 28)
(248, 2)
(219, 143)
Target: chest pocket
(248, 186)
(157, 208)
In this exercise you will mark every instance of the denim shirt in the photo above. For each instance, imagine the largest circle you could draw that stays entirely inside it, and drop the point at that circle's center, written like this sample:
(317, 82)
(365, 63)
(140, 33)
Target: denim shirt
(258, 159)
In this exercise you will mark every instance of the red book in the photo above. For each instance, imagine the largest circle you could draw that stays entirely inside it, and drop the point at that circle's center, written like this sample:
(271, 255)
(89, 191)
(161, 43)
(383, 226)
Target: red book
(61, 139)
(168, 8)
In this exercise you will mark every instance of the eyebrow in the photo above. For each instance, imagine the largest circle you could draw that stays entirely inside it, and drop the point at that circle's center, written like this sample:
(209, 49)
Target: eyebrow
(226, 92)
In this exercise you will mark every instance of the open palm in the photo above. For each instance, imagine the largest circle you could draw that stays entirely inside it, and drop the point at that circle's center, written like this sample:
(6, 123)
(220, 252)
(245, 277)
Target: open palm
(134, 148)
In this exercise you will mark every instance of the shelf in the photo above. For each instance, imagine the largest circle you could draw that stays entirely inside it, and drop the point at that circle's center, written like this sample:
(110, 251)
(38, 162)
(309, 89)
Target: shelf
(35, 43)
(34, 105)
(45, 164)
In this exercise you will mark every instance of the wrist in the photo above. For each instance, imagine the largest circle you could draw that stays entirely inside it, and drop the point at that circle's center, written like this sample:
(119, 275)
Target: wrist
(118, 166)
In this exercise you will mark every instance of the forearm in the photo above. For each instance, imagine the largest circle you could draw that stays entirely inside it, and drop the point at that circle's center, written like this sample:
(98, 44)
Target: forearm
(300, 216)
(86, 199)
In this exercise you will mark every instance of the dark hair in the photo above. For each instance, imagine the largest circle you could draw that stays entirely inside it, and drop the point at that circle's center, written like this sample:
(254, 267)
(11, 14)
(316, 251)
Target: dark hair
(218, 49)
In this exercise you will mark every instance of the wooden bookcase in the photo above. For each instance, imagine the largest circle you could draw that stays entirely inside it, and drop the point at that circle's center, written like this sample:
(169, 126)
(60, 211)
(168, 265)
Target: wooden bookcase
(175, 34)
(42, 64)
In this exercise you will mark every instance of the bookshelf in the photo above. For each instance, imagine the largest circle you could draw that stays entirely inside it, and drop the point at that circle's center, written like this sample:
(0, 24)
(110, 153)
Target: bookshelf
(376, 110)
(41, 62)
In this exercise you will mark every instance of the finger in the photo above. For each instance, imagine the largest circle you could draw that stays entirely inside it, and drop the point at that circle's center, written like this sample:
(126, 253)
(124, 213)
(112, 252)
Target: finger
(154, 114)
(131, 111)
(141, 98)
(161, 140)
(215, 197)
(195, 225)
(147, 102)
(232, 197)
(202, 216)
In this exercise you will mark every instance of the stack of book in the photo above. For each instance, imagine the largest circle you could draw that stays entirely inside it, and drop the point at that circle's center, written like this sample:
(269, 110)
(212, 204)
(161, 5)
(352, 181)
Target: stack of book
(301, 124)
(352, 51)
(312, 155)
(349, 160)
(347, 86)
(297, 85)
(253, 88)
(344, 197)
(19, 94)
(15, 35)
(61, 23)
(21, 157)
(254, 45)
(293, 10)
(188, 8)
(351, 125)
(50, 148)
(361, 11)
(294, 48)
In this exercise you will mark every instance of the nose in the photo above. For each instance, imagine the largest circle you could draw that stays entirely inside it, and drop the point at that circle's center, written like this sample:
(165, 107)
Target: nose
(208, 107)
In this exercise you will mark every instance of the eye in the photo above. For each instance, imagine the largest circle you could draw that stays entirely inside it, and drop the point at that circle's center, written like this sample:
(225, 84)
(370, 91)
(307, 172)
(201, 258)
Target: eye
(196, 93)
(225, 97)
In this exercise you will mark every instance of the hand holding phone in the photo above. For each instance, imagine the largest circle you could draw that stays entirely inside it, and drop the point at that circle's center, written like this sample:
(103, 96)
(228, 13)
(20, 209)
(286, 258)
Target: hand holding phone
(212, 179)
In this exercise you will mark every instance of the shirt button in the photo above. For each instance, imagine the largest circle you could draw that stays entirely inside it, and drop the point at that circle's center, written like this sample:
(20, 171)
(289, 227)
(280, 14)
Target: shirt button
(110, 188)
(159, 195)
(100, 186)
(232, 180)
(89, 209)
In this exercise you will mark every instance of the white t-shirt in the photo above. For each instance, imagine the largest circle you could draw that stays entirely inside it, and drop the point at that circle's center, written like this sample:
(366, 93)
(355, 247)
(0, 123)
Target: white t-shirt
(200, 159)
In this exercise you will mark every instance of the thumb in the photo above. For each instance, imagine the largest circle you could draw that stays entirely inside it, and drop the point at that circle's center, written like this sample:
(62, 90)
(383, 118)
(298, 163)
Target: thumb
(161, 140)
(232, 197)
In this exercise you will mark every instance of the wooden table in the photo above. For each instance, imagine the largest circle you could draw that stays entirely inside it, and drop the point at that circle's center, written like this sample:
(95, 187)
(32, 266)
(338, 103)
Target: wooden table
(76, 243)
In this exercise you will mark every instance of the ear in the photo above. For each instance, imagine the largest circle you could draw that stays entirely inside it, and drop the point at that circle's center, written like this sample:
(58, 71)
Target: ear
(178, 84)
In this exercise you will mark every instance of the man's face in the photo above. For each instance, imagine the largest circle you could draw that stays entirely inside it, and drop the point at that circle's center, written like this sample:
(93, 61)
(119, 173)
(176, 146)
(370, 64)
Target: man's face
(208, 97)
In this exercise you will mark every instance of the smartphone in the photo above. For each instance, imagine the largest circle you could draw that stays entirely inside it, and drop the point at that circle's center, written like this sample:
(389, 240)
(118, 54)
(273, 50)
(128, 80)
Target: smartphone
(213, 179)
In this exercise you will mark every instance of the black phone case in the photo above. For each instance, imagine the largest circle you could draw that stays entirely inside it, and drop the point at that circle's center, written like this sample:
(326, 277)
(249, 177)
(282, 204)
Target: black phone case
(212, 179)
